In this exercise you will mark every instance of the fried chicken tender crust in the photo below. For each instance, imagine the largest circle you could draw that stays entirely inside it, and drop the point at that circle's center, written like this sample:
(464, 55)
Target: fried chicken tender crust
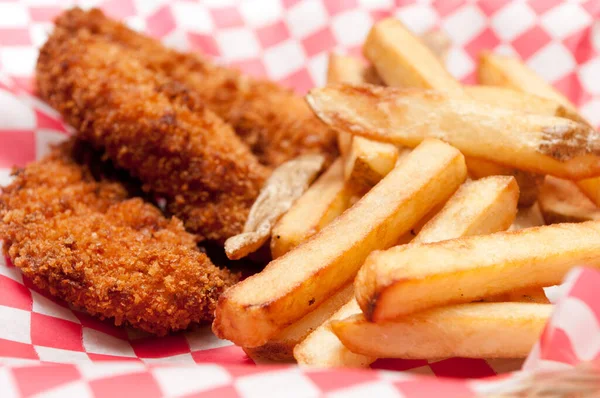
(154, 128)
(86, 243)
(272, 120)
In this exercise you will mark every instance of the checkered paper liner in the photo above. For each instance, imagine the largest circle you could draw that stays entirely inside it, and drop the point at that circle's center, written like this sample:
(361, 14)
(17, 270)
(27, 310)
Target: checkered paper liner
(47, 348)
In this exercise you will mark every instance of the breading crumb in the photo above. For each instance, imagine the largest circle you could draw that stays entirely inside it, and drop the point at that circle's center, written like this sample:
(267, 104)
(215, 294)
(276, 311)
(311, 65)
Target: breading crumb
(116, 257)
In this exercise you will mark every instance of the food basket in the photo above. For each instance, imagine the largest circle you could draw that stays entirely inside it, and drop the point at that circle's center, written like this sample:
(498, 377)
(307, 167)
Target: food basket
(49, 349)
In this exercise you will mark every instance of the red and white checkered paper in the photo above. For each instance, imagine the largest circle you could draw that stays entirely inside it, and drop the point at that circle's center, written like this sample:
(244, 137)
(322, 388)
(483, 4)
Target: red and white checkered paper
(48, 349)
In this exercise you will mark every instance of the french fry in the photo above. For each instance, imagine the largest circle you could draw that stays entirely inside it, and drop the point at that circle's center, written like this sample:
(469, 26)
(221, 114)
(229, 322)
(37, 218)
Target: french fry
(366, 161)
(478, 207)
(528, 217)
(563, 201)
(503, 97)
(323, 348)
(344, 141)
(287, 183)
(529, 183)
(498, 70)
(413, 62)
(510, 72)
(329, 196)
(403, 60)
(591, 187)
(438, 43)
(326, 199)
(465, 215)
(346, 69)
(531, 295)
(411, 278)
(281, 347)
(540, 144)
(476, 330)
(258, 308)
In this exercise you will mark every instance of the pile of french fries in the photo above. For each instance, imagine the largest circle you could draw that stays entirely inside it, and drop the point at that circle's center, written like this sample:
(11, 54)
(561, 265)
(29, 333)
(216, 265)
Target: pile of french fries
(430, 236)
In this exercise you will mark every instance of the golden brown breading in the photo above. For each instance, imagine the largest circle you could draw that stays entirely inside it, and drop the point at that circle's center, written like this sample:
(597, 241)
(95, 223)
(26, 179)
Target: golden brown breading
(84, 242)
(145, 124)
(275, 123)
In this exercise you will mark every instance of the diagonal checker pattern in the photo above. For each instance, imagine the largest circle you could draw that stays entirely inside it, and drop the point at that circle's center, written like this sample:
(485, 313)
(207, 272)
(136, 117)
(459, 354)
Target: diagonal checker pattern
(288, 41)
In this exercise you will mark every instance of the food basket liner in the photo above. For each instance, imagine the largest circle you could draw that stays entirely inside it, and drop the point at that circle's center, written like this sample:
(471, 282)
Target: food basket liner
(48, 348)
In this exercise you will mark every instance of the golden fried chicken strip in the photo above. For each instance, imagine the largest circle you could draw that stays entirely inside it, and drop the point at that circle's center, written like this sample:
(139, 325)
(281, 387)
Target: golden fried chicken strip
(86, 243)
(274, 122)
(145, 124)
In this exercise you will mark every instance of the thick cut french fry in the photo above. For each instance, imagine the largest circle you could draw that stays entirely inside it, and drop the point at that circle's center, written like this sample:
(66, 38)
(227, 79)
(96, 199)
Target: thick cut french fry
(476, 330)
(591, 188)
(366, 161)
(323, 348)
(438, 43)
(344, 141)
(259, 307)
(531, 295)
(403, 60)
(529, 183)
(540, 144)
(510, 72)
(563, 201)
(498, 70)
(411, 278)
(528, 217)
(326, 199)
(280, 348)
(503, 97)
(478, 207)
(346, 69)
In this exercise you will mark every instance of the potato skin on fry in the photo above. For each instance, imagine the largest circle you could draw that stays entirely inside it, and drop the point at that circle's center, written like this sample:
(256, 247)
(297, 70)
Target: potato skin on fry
(407, 62)
(324, 200)
(528, 218)
(535, 143)
(84, 242)
(562, 201)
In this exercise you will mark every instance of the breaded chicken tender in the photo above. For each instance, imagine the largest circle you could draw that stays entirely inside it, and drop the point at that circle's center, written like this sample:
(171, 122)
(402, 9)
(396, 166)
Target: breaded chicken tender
(272, 120)
(85, 242)
(154, 128)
